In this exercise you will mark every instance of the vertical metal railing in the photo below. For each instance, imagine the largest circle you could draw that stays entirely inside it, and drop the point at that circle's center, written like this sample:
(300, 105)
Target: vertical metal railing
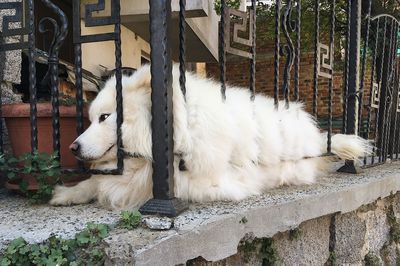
(276, 52)
(297, 51)
(316, 59)
(113, 19)
(222, 48)
(163, 202)
(363, 66)
(352, 74)
(379, 49)
(379, 53)
(331, 74)
(253, 27)
(59, 34)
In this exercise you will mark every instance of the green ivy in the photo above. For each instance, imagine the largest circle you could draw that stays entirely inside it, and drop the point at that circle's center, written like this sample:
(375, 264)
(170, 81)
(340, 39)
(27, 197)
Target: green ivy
(230, 3)
(43, 167)
(84, 249)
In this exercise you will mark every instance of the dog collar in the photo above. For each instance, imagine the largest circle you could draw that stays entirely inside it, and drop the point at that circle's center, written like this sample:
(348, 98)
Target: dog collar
(135, 155)
(182, 163)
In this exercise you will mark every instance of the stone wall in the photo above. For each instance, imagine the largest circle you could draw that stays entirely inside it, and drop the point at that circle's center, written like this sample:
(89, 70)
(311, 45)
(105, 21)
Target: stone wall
(367, 236)
(10, 73)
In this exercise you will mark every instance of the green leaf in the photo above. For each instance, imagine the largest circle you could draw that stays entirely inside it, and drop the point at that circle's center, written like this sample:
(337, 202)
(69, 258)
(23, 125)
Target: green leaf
(50, 172)
(130, 220)
(103, 230)
(11, 175)
(5, 262)
(83, 238)
(23, 186)
(13, 160)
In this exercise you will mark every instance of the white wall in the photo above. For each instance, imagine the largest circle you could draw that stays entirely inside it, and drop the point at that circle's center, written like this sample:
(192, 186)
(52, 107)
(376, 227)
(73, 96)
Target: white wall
(103, 53)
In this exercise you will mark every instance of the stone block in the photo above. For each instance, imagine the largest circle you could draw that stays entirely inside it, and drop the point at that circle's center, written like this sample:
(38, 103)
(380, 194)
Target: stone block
(350, 231)
(360, 233)
(378, 228)
(307, 245)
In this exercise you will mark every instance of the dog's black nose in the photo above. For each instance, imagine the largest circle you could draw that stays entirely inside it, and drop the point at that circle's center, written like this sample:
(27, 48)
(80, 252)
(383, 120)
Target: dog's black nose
(75, 147)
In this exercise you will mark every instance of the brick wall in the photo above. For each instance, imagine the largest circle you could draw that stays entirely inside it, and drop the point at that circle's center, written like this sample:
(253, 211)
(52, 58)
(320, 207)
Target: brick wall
(237, 73)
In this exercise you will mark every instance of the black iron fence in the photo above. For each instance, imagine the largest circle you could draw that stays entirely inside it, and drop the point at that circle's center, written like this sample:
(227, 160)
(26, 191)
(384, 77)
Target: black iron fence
(371, 50)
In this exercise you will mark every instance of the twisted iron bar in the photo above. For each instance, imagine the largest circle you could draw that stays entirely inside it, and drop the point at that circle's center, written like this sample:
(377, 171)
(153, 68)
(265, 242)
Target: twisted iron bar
(287, 49)
(32, 78)
(389, 90)
(330, 82)
(253, 52)
(59, 34)
(222, 56)
(379, 78)
(182, 46)
(346, 76)
(364, 55)
(316, 58)
(118, 86)
(276, 55)
(79, 93)
(297, 52)
(371, 97)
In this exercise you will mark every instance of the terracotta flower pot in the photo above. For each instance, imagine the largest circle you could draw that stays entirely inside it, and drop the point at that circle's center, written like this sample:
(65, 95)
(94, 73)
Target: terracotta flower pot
(33, 184)
(18, 125)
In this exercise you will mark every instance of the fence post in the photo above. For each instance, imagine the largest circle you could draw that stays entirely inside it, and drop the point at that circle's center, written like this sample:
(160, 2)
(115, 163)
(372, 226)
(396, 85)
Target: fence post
(163, 202)
(353, 76)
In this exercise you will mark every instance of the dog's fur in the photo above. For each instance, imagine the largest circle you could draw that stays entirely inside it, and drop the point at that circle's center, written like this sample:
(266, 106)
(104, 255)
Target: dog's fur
(232, 149)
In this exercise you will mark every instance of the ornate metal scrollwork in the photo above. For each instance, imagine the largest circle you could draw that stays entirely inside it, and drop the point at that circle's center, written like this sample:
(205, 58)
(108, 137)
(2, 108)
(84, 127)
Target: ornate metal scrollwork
(376, 88)
(325, 61)
(228, 13)
(93, 21)
(60, 32)
(17, 33)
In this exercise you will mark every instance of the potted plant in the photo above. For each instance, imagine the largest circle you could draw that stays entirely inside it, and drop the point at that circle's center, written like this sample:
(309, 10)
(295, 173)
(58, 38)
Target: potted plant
(17, 115)
(17, 119)
(34, 175)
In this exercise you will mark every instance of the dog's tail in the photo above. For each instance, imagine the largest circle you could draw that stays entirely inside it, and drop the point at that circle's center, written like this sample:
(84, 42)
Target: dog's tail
(350, 147)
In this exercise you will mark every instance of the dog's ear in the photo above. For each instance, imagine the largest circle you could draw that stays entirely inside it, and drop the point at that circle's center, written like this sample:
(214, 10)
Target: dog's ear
(141, 78)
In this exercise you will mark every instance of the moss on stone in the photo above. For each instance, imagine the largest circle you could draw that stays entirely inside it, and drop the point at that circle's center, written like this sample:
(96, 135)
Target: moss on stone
(262, 249)
(268, 252)
(243, 220)
(394, 225)
(332, 260)
(372, 260)
(295, 234)
(248, 249)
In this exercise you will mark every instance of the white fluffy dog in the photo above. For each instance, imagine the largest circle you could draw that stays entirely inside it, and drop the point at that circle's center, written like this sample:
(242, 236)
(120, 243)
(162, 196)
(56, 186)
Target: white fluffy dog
(232, 149)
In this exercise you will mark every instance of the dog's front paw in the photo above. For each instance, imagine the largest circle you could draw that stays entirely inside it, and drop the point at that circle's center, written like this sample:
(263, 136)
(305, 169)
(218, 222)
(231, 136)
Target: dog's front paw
(62, 196)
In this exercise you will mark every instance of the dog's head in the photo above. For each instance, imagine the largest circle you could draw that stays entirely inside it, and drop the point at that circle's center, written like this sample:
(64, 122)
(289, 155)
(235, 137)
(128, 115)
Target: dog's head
(99, 142)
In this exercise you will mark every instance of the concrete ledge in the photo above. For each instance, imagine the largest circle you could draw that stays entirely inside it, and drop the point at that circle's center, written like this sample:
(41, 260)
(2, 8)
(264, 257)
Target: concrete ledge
(213, 230)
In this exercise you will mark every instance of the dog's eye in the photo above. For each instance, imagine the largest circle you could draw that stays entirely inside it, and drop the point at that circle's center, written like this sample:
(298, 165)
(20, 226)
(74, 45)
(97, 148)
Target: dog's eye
(103, 117)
